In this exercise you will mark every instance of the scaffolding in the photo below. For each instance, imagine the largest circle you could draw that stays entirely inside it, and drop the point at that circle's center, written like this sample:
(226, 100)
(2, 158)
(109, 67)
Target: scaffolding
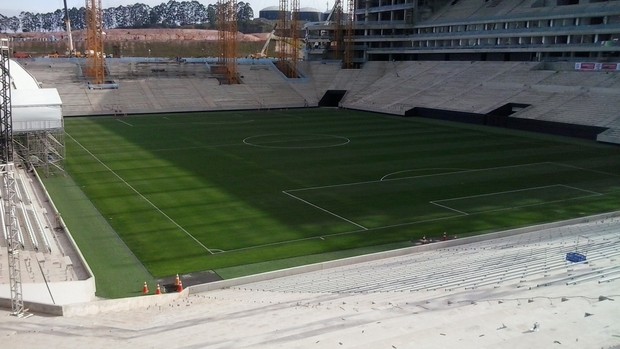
(295, 38)
(95, 64)
(349, 36)
(43, 149)
(289, 42)
(338, 30)
(282, 30)
(7, 170)
(227, 40)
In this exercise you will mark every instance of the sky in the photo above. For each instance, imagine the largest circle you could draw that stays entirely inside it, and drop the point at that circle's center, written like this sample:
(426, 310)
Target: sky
(13, 8)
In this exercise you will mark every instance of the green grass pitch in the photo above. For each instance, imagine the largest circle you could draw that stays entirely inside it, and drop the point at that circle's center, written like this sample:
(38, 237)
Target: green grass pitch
(226, 191)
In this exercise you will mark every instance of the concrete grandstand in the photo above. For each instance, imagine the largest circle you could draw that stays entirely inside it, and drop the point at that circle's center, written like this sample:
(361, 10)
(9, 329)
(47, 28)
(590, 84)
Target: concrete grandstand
(476, 292)
(554, 92)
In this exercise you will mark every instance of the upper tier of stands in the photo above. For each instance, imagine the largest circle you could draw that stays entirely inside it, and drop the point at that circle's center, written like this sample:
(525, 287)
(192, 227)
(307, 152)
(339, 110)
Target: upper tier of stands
(463, 10)
(153, 87)
(554, 93)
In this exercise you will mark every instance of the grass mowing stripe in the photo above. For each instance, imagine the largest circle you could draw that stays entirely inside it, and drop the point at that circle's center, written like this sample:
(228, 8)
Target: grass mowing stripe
(142, 196)
(230, 197)
(118, 273)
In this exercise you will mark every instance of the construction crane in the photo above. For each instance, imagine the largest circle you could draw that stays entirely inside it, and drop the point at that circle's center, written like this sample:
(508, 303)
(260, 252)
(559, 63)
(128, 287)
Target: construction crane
(349, 36)
(335, 8)
(95, 65)
(68, 28)
(295, 45)
(263, 52)
(227, 40)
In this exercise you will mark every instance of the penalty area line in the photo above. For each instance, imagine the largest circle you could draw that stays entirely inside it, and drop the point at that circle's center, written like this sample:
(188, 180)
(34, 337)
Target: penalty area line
(449, 208)
(142, 196)
(124, 122)
(324, 210)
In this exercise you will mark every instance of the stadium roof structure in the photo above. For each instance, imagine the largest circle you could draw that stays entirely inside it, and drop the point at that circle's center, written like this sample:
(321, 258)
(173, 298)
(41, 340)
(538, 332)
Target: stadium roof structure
(33, 108)
(271, 8)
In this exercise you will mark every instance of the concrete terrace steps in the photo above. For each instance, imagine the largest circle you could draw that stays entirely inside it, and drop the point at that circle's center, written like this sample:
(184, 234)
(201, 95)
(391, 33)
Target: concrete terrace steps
(389, 87)
(319, 76)
(586, 79)
(34, 229)
(612, 135)
(42, 257)
(520, 261)
(261, 89)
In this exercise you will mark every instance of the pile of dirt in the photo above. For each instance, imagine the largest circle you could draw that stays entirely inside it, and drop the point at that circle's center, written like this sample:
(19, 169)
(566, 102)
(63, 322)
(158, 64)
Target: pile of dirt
(157, 35)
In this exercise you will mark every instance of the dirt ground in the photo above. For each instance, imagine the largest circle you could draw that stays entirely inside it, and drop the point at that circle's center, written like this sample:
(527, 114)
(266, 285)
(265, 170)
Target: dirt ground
(123, 35)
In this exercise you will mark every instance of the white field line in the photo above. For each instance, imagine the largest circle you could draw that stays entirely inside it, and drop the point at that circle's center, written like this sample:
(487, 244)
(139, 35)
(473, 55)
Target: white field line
(448, 208)
(142, 196)
(586, 169)
(515, 191)
(460, 213)
(324, 210)
(290, 241)
(309, 137)
(423, 169)
(595, 193)
(124, 122)
(590, 192)
(401, 224)
(193, 147)
(412, 177)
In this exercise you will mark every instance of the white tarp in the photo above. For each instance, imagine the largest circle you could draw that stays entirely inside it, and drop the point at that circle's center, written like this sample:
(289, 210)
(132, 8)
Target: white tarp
(33, 108)
(21, 79)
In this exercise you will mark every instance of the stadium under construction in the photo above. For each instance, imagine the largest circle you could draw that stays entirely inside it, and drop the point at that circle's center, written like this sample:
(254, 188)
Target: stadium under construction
(546, 66)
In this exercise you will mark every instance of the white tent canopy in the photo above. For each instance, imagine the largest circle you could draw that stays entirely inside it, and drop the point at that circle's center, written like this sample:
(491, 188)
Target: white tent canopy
(36, 109)
(33, 108)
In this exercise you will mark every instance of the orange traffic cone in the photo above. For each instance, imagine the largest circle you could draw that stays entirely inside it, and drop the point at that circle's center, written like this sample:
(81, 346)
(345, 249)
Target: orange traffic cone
(157, 290)
(145, 288)
(177, 281)
(180, 286)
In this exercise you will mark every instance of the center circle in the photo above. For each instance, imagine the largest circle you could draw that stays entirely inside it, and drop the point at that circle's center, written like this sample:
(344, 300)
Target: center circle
(296, 141)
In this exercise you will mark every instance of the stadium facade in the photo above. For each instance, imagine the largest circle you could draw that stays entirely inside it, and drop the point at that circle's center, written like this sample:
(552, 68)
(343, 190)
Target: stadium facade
(479, 30)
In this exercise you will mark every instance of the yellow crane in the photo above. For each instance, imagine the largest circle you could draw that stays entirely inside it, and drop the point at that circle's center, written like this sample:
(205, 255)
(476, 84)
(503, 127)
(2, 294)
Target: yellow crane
(263, 52)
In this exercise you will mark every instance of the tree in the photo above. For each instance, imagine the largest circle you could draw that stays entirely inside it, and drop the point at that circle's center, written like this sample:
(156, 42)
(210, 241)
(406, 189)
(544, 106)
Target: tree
(139, 14)
(212, 15)
(77, 16)
(14, 23)
(244, 12)
(167, 14)
(156, 16)
(28, 20)
(197, 12)
(52, 21)
(109, 17)
(171, 16)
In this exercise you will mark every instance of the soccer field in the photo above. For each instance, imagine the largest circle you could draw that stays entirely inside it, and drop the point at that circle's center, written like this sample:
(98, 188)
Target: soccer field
(210, 191)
